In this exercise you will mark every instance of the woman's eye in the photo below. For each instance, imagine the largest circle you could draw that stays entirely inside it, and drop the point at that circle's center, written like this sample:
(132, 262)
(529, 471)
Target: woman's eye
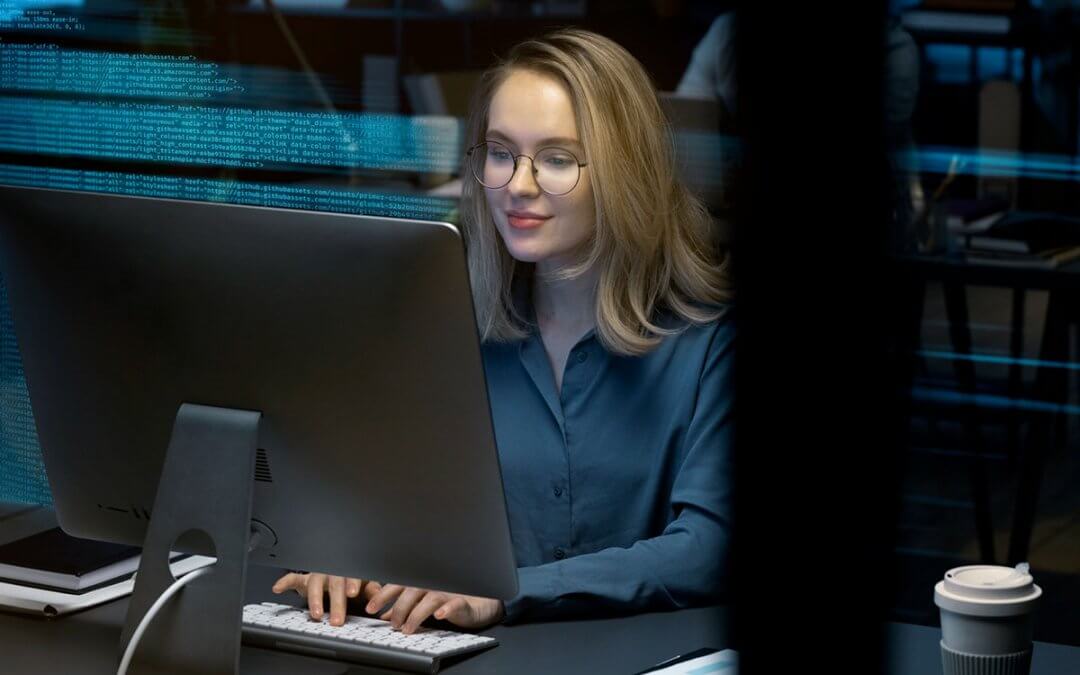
(558, 161)
(499, 155)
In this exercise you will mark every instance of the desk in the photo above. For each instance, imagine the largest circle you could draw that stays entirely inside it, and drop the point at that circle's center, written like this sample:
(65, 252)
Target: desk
(87, 643)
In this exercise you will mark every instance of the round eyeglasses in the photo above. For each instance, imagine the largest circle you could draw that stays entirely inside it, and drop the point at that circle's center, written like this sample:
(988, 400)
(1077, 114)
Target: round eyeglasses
(556, 170)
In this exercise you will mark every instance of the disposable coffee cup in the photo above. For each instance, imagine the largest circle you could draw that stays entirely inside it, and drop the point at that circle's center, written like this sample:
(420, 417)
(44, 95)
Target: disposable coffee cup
(986, 619)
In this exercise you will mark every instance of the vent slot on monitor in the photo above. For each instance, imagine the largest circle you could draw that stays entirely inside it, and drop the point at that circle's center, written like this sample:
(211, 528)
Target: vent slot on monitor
(262, 467)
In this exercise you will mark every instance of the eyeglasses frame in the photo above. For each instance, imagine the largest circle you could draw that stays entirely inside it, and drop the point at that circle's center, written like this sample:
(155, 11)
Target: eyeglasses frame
(532, 164)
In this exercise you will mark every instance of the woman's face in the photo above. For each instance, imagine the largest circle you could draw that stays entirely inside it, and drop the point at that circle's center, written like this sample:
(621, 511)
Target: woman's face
(529, 112)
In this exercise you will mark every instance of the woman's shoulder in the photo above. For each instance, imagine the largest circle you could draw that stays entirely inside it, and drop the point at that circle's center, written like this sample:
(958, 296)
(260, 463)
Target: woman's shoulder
(499, 349)
(690, 344)
(713, 323)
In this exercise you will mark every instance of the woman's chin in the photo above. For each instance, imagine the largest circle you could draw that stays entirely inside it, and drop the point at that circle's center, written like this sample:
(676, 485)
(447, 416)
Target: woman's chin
(526, 254)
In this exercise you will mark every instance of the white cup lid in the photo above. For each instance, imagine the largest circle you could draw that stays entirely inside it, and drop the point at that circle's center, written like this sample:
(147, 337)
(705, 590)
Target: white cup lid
(987, 590)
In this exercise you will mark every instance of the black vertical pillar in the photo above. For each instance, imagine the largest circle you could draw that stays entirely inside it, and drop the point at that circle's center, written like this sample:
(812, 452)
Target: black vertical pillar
(817, 311)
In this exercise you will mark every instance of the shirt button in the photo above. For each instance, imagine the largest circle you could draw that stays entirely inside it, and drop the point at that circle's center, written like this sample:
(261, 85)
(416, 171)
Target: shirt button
(557, 490)
(582, 357)
(559, 554)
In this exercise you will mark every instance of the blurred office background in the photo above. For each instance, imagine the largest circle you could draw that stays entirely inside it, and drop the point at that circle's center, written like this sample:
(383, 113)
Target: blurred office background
(357, 106)
(992, 460)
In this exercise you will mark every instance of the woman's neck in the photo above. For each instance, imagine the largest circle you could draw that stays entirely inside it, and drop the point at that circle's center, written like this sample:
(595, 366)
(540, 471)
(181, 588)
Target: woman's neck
(566, 304)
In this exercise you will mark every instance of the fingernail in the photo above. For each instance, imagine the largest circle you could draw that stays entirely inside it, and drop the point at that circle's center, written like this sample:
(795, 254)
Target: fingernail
(440, 614)
(370, 607)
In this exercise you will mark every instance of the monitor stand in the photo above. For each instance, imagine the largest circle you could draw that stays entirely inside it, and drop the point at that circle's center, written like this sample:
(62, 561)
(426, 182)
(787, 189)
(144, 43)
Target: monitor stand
(204, 494)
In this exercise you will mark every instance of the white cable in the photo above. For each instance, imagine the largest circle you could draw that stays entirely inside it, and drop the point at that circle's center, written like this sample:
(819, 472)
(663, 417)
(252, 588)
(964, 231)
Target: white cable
(150, 613)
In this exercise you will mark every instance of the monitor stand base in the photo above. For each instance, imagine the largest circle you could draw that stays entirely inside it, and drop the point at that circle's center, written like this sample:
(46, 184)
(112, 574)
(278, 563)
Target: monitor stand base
(204, 495)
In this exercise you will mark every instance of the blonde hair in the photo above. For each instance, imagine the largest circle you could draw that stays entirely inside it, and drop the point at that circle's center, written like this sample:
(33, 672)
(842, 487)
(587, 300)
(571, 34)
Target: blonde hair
(652, 243)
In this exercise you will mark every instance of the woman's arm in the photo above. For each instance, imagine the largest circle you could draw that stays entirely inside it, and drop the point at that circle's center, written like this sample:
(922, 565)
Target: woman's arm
(681, 567)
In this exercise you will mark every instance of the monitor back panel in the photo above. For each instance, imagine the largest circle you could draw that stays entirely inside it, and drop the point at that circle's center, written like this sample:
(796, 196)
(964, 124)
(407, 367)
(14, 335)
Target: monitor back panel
(354, 336)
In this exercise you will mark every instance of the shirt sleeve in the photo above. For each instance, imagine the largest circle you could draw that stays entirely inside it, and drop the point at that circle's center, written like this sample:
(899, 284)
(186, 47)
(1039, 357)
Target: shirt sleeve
(683, 566)
(711, 71)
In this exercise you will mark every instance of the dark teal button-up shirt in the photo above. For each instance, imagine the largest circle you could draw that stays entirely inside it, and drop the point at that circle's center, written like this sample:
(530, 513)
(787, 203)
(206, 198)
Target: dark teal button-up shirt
(617, 487)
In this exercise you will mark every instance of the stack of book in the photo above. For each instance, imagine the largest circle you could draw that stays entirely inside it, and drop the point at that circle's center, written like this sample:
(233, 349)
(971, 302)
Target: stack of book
(1020, 239)
(53, 573)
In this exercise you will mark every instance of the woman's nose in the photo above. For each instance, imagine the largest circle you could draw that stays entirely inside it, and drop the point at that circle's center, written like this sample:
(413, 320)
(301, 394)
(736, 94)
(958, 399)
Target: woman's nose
(523, 182)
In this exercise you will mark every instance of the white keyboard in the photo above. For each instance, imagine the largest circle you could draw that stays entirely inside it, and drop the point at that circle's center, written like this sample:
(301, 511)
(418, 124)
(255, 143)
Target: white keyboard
(360, 640)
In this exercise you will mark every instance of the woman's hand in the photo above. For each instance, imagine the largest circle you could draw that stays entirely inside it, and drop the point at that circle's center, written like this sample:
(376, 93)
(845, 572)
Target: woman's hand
(413, 605)
(312, 586)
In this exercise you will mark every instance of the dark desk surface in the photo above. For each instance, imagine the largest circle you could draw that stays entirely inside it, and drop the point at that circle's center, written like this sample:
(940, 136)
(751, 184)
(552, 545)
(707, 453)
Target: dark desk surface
(87, 643)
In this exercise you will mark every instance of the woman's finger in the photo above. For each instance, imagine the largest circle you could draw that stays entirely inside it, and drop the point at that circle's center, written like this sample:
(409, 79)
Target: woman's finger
(368, 589)
(383, 597)
(404, 605)
(316, 585)
(288, 582)
(457, 611)
(425, 608)
(337, 600)
(352, 587)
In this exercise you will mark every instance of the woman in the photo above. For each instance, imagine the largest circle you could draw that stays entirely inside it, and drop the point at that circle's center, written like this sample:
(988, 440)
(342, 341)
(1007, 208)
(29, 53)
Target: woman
(607, 347)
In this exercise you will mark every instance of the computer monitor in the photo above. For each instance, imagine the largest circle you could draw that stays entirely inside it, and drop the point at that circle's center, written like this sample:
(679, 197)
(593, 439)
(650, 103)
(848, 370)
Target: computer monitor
(320, 370)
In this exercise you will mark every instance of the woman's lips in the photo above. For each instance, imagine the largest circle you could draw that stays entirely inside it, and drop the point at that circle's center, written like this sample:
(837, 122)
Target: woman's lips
(525, 222)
